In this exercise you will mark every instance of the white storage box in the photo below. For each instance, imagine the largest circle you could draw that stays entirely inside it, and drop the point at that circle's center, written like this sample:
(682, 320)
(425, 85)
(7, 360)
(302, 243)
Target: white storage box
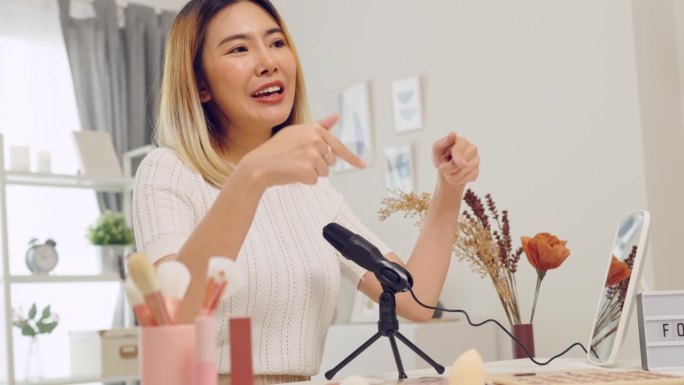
(104, 353)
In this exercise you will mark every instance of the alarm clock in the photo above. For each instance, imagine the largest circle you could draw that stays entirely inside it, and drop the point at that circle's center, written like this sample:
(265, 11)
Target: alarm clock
(41, 257)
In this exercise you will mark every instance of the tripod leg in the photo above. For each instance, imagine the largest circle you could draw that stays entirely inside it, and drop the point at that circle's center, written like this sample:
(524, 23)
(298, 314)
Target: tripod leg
(331, 373)
(439, 368)
(397, 357)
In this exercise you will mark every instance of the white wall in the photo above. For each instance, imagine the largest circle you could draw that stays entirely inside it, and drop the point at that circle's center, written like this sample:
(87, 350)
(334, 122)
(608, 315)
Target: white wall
(546, 89)
(660, 49)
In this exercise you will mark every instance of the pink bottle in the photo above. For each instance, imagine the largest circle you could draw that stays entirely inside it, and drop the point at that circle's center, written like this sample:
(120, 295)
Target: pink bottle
(205, 358)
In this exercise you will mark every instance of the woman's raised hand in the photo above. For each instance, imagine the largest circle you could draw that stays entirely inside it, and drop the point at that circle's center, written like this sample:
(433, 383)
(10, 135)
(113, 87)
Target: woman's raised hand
(299, 154)
(456, 159)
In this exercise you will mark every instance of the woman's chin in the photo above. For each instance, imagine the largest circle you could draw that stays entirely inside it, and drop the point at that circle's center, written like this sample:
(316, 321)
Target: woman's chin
(274, 121)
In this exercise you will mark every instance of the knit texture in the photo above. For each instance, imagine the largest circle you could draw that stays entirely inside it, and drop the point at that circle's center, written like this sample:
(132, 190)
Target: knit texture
(293, 274)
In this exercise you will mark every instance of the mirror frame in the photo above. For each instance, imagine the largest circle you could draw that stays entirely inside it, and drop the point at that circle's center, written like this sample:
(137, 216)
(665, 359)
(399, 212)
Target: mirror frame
(634, 285)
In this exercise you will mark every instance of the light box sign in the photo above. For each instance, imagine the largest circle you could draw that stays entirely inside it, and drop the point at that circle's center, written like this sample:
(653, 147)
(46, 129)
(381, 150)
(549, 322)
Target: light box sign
(661, 329)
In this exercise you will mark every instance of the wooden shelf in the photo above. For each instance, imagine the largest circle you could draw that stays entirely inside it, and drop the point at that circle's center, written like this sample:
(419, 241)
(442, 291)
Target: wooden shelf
(103, 183)
(77, 380)
(111, 277)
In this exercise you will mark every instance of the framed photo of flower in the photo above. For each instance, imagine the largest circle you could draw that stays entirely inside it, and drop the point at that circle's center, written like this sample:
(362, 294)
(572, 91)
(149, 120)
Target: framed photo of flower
(364, 309)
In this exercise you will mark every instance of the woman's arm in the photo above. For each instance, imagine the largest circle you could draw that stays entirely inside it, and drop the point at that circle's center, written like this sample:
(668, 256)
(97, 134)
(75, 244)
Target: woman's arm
(297, 154)
(458, 164)
(429, 262)
(220, 232)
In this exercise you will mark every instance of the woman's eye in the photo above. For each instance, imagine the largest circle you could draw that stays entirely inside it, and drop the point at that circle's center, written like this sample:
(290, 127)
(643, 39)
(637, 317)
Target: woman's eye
(280, 43)
(237, 49)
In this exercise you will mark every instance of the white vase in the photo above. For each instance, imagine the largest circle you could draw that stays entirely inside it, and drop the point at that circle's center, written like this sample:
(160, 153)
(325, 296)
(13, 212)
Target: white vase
(111, 257)
(33, 370)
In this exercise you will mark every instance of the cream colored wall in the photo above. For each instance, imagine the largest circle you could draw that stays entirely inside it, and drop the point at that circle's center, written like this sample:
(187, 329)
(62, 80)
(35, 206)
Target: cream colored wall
(660, 48)
(548, 91)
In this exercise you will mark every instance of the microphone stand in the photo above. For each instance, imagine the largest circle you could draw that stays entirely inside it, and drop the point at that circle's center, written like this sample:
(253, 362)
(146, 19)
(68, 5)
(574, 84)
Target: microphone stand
(388, 326)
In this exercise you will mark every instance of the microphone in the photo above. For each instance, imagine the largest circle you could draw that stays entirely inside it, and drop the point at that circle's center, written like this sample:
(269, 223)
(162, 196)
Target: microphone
(356, 248)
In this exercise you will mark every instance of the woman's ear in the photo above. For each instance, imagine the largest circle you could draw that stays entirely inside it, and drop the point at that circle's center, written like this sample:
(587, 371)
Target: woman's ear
(204, 93)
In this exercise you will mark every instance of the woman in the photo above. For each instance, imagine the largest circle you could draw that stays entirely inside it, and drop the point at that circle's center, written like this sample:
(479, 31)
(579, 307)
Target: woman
(238, 174)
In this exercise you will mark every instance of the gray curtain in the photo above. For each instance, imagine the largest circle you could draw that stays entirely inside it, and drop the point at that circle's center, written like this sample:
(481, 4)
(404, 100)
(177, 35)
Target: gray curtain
(116, 71)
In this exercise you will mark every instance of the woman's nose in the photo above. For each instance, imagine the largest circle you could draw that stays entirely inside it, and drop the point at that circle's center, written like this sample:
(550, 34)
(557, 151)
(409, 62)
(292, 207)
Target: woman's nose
(266, 63)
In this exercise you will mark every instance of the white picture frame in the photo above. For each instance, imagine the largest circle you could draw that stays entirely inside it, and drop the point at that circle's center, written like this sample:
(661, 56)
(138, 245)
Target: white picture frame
(354, 127)
(407, 104)
(364, 309)
(399, 168)
(96, 154)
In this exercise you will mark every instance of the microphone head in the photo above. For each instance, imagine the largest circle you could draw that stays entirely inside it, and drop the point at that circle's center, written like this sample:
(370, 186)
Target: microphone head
(337, 235)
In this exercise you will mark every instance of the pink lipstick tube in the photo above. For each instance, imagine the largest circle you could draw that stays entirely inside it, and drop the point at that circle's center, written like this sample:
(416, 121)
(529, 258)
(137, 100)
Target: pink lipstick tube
(205, 358)
(167, 355)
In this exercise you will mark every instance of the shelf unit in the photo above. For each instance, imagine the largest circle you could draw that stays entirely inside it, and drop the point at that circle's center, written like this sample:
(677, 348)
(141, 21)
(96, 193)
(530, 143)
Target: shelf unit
(62, 278)
(76, 380)
(100, 184)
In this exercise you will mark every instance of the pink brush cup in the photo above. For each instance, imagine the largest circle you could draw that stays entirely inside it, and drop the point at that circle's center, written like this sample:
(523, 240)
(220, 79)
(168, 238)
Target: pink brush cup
(167, 355)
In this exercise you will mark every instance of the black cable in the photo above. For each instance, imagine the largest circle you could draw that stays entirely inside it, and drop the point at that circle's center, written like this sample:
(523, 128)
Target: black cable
(502, 328)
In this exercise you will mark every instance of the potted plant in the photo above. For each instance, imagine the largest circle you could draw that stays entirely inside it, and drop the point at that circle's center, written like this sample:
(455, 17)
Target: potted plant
(112, 238)
(32, 325)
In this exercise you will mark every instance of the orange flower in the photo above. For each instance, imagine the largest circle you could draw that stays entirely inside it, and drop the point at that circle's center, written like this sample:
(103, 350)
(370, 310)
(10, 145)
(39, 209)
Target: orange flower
(618, 272)
(545, 251)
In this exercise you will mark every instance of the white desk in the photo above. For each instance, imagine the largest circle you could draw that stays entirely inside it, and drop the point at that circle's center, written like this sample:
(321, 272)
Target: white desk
(521, 365)
(443, 340)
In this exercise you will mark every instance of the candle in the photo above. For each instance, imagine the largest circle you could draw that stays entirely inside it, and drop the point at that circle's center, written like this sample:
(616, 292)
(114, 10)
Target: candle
(43, 161)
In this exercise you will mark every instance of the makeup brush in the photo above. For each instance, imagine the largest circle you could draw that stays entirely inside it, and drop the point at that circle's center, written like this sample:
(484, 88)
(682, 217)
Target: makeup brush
(236, 278)
(224, 277)
(174, 279)
(216, 283)
(137, 302)
(142, 272)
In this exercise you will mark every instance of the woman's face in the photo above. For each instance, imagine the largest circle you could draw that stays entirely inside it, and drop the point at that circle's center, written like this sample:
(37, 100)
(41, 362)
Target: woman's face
(249, 69)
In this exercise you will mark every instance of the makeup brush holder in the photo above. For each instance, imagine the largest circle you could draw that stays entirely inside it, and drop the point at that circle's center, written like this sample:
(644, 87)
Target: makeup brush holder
(168, 355)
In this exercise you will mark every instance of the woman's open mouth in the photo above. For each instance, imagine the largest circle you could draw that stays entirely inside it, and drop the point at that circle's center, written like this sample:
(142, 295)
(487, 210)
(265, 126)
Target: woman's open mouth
(266, 92)
(270, 93)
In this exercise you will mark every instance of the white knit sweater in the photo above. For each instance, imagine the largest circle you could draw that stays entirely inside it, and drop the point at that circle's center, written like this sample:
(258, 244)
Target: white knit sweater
(293, 274)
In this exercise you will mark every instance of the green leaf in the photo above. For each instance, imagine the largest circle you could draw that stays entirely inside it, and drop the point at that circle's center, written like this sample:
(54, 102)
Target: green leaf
(32, 312)
(46, 327)
(109, 229)
(27, 330)
(18, 324)
(46, 312)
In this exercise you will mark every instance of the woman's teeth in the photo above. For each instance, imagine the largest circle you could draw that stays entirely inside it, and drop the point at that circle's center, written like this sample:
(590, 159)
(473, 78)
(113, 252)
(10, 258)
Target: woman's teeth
(268, 91)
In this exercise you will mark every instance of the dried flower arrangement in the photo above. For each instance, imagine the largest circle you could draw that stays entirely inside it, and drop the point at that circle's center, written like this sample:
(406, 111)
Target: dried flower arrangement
(484, 241)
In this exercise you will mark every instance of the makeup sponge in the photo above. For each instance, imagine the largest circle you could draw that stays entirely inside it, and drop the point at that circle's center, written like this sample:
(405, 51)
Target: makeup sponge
(468, 369)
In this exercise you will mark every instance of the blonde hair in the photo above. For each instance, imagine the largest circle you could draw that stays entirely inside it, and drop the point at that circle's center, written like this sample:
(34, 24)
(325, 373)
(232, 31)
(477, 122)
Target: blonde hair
(184, 123)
